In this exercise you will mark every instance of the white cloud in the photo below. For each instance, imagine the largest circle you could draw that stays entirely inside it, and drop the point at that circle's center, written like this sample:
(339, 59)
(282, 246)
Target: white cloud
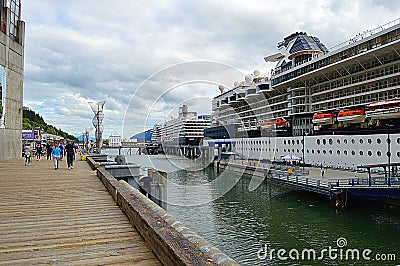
(80, 51)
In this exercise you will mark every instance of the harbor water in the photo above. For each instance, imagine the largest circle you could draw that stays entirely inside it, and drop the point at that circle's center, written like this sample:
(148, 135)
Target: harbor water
(251, 226)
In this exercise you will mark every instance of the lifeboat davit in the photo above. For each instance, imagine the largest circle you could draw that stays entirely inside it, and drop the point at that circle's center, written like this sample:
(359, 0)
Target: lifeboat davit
(323, 118)
(351, 116)
(385, 109)
(274, 123)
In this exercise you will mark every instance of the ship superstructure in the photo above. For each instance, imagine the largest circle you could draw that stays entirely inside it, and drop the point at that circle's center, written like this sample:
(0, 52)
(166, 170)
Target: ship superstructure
(350, 93)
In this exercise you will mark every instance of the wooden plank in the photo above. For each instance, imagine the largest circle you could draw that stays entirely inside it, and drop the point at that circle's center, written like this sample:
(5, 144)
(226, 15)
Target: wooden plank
(63, 217)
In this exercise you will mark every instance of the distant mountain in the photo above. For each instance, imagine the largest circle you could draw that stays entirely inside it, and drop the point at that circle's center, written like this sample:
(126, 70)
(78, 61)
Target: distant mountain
(32, 120)
(143, 136)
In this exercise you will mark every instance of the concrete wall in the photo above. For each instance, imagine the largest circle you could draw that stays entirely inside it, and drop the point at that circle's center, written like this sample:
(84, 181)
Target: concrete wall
(12, 59)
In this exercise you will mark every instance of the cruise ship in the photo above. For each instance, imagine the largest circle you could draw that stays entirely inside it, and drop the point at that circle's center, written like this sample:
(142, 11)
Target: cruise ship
(338, 106)
(185, 130)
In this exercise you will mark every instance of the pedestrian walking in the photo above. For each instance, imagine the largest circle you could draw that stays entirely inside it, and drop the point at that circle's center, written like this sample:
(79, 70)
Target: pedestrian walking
(49, 150)
(62, 150)
(38, 152)
(28, 154)
(56, 156)
(70, 151)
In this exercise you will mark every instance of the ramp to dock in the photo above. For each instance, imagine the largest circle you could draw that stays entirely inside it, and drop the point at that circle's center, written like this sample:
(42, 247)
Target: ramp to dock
(63, 217)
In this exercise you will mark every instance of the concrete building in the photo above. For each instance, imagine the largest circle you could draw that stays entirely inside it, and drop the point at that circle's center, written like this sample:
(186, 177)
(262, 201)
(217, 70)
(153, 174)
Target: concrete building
(115, 140)
(12, 37)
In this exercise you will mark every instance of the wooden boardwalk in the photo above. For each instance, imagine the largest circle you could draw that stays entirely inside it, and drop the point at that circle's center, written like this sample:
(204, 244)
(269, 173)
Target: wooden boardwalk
(63, 217)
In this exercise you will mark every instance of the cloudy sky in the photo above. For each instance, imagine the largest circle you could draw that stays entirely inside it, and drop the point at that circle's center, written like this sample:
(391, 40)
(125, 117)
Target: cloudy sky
(145, 58)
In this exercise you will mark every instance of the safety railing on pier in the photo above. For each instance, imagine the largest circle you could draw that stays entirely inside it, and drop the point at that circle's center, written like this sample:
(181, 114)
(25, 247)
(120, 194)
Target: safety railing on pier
(377, 182)
(303, 182)
(296, 170)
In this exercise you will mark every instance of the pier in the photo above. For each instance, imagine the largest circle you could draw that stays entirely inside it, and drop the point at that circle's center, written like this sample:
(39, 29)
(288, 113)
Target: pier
(85, 216)
(63, 217)
(335, 183)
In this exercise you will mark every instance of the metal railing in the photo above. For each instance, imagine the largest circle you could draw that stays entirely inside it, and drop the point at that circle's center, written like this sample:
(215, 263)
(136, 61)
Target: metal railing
(365, 34)
(377, 182)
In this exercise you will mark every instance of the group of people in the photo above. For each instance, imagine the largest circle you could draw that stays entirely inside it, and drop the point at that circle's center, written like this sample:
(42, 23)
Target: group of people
(57, 153)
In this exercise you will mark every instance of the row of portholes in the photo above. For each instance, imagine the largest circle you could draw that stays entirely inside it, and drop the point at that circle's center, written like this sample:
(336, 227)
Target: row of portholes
(293, 142)
(353, 141)
(254, 142)
(257, 149)
(345, 152)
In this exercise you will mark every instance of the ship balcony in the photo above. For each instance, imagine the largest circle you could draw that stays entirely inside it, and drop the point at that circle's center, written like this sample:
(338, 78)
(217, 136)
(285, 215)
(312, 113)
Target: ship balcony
(295, 89)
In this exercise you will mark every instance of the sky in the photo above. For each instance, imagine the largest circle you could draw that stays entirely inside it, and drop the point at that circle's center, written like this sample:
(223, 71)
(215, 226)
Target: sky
(146, 58)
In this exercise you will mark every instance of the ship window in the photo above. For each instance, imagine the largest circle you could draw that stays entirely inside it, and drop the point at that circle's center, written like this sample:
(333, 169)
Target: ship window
(318, 142)
(338, 141)
(312, 151)
(284, 150)
(353, 141)
(308, 151)
(353, 153)
(324, 141)
(378, 141)
(298, 142)
(398, 140)
(369, 153)
(330, 141)
(379, 153)
(284, 142)
(292, 141)
(361, 141)
(369, 141)
(361, 153)
(318, 151)
(330, 152)
(338, 152)
(324, 151)
(345, 141)
(398, 154)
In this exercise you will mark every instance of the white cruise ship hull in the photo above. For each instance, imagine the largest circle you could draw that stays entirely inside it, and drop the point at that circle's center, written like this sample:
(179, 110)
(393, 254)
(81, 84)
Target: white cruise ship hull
(337, 151)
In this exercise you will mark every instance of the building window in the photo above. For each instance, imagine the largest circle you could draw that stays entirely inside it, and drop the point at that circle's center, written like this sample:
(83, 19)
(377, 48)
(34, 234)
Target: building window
(15, 8)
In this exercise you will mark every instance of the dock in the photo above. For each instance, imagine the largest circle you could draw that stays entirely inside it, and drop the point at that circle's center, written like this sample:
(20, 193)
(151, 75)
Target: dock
(63, 217)
(335, 183)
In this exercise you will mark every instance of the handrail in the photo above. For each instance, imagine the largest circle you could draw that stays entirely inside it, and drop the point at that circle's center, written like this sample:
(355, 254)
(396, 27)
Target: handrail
(365, 34)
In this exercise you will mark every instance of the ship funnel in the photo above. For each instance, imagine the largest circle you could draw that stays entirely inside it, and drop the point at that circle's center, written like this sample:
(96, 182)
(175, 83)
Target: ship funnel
(221, 88)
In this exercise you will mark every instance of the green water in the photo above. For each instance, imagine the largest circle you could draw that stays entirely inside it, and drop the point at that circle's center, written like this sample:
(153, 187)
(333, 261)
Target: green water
(241, 222)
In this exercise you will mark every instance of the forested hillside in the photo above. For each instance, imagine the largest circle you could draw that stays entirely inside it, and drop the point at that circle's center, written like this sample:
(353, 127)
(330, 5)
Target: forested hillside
(31, 120)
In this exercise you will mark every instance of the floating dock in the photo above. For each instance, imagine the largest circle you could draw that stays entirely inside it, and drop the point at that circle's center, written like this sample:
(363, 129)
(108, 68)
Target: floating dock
(335, 183)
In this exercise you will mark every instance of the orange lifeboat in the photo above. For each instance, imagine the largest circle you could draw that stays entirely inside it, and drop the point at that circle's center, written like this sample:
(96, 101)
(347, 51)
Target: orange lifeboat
(274, 123)
(352, 116)
(385, 109)
(323, 118)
